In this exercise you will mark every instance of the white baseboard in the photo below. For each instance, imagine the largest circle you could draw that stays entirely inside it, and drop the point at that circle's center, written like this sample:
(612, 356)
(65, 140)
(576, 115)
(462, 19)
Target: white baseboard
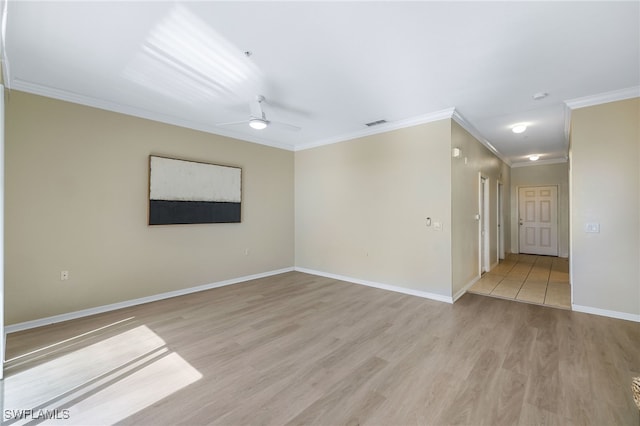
(606, 313)
(128, 303)
(423, 294)
(432, 296)
(464, 289)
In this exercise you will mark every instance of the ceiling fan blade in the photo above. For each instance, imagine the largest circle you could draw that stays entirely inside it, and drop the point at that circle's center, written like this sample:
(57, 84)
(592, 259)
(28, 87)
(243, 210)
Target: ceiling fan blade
(285, 126)
(232, 123)
(258, 117)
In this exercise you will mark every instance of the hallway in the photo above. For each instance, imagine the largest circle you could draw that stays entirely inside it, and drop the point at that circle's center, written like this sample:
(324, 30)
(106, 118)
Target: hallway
(542, 280)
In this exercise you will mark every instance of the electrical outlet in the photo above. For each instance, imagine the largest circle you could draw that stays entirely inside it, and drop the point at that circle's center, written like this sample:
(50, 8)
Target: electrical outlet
(592, 228)
(64, 275)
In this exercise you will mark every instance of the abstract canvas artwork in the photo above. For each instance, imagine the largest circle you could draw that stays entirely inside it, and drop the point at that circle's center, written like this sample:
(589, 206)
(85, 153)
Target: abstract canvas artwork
(185, 192)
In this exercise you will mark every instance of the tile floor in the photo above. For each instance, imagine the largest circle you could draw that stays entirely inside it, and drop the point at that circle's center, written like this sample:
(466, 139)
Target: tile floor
(542, 280)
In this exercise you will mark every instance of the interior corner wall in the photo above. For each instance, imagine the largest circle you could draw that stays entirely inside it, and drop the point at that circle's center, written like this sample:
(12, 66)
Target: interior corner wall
(475, 160)
(361, 208)
(77, 200)
(541, 175)
(605, 189)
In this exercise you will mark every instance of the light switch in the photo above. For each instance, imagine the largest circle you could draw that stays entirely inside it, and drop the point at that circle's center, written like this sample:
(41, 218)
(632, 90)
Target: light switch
(592, 228)
(437, 226)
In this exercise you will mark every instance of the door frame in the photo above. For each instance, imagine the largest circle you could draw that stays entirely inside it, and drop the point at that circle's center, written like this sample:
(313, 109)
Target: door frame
(500, 220)
(484, 259)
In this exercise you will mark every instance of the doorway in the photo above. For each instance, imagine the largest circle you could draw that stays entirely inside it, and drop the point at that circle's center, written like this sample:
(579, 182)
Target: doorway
(484, 225)
(500, 217)
(538, 220)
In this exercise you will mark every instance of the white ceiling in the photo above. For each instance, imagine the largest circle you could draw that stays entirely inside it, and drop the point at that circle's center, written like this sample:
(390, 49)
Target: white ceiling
(330, 67)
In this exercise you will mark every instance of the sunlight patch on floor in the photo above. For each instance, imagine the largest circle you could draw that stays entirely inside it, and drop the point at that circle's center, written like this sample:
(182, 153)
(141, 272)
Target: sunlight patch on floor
(102, 383)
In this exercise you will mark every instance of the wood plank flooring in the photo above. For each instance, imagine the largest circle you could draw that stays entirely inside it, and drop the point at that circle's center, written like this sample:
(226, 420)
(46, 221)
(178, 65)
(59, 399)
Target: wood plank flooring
(298, 349)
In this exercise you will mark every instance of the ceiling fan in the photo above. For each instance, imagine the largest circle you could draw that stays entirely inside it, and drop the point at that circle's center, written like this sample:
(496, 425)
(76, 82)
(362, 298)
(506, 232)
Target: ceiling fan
(257, 120)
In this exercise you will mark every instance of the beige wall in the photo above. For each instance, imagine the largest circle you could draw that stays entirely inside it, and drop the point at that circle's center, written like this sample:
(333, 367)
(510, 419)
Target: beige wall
(361, 208)
(76, 199)
(605, 189)
(465, 205)
(540, 175)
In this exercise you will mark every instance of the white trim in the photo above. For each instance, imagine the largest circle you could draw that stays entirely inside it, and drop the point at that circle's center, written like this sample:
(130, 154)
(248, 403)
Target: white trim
(592, 100)
(567, 125)
(606, 313)
(64, 95)
(458, 118)
(570, 225)
(128, 303)
(75, 98)
(382, 128)
(464, 289)
(484, 209)
(603, 98)
(529, 163)
(403, 290)
(499, 222)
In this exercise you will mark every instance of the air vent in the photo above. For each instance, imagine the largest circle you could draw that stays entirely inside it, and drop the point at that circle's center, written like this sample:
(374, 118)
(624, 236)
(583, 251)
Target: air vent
(375, 123)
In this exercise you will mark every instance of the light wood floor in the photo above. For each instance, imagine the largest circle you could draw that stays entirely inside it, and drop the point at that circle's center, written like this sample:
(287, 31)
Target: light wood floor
(298, 349)
(542, 280)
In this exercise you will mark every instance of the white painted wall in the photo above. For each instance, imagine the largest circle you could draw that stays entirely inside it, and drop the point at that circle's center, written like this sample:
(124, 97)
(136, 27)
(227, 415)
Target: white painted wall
(605, 189)
(77, 199)
(542, 175)
(465, 201)
(361, 208)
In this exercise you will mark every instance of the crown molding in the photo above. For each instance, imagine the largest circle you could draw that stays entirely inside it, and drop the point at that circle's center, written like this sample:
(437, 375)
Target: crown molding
(593, 100)
(458, 118)
(567, 124)
(382, 128)
(448, 113)
(63, 95)
(530, 163)
(603, 98)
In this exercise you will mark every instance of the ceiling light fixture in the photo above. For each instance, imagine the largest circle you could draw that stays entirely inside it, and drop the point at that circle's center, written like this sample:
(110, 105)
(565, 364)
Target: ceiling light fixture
(258, 123)
(519, 128)
(534, 157)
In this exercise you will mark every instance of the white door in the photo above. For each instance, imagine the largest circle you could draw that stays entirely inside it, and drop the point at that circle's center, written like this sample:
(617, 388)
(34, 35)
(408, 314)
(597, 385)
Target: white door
(538, 217)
